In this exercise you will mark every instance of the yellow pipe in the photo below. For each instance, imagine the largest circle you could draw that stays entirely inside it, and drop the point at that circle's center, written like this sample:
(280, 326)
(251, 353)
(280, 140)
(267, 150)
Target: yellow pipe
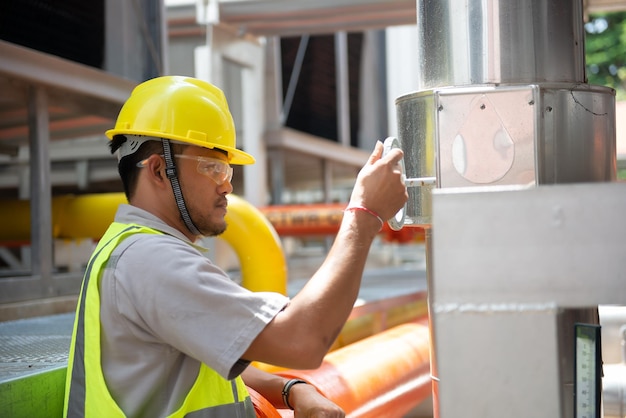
(85, 216)
(15, 221)
(254, 239)
(73, 217)
(263, 265)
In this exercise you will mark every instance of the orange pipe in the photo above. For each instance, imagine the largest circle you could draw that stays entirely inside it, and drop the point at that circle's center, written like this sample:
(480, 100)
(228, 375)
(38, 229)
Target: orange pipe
(387, 374)
(324, 219)
(262, 407)
(299, 220)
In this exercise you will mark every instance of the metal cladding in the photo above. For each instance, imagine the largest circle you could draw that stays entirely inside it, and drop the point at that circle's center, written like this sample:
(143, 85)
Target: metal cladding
(503, 100)
(499, 42)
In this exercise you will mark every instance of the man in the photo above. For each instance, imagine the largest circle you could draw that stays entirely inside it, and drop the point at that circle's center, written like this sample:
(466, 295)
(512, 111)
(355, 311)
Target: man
(160, 330)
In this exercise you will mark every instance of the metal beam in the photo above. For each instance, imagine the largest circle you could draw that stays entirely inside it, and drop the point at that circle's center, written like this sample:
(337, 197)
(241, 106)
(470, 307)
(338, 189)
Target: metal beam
(296, 17)
(36, 67)
(291, 139)
(343, 87)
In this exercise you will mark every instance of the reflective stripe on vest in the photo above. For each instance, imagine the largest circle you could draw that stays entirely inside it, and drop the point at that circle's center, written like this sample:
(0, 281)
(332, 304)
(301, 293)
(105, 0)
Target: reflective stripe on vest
(86, 393)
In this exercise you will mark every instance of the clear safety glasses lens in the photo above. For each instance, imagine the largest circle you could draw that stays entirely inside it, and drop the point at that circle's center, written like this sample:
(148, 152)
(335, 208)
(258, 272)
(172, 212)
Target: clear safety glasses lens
(217, 170)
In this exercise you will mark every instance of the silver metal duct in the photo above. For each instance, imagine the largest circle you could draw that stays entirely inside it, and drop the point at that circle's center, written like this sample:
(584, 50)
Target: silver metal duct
(503, 100)
(499, 42)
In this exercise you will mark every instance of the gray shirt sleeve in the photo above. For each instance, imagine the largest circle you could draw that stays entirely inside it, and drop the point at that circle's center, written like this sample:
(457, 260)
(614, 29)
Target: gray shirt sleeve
(169, 293)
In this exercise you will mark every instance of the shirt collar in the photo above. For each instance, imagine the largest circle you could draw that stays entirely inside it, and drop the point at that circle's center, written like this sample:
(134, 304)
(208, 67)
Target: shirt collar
(129, 214)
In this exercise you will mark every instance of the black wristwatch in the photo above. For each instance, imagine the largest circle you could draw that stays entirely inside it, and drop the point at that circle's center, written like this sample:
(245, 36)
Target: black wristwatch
(287, 388)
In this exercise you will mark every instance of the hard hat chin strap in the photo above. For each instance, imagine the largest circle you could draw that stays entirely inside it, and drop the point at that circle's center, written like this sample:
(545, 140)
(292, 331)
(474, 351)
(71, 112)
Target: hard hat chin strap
(170, 171)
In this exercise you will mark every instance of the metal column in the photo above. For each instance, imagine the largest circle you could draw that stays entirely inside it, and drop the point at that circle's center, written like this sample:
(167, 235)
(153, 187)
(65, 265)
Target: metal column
(40, 188)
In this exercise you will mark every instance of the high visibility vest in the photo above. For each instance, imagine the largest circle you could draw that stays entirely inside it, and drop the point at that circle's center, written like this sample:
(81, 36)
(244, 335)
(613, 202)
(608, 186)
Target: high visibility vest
(86, 393)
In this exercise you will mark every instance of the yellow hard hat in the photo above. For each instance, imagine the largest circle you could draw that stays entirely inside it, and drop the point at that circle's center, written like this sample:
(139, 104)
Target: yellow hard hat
(182, 109)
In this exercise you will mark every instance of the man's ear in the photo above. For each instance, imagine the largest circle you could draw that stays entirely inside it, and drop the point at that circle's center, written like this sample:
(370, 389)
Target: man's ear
(155, 167)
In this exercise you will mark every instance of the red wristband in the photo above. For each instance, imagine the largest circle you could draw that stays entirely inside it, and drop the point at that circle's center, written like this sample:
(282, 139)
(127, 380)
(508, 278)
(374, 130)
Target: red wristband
(364, 209)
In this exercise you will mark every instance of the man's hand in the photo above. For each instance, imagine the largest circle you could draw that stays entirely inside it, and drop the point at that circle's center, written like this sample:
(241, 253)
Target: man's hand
(307, 402)
(379, 185)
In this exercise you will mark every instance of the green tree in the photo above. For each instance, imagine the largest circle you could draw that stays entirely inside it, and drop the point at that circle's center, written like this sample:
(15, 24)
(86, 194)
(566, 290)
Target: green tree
(605, 55)
(605, 38)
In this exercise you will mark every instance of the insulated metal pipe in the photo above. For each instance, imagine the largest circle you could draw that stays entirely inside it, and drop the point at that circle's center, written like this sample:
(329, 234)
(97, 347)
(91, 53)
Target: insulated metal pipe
(463, 43)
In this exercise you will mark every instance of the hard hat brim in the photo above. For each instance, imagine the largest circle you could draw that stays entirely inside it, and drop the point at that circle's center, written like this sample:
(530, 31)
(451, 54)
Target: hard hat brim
(235, 156)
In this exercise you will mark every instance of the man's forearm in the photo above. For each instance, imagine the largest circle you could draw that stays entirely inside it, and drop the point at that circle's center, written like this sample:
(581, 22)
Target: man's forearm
(266, 384)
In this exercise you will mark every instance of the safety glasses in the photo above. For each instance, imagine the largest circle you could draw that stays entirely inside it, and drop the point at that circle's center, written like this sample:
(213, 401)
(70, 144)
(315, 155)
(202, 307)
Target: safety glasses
(217, 170)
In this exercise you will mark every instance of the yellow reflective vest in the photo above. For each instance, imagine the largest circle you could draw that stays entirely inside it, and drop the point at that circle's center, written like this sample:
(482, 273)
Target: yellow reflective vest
(86, 393)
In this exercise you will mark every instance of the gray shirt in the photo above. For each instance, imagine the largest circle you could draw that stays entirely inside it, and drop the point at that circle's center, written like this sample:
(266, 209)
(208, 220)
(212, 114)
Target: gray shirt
(165, 308)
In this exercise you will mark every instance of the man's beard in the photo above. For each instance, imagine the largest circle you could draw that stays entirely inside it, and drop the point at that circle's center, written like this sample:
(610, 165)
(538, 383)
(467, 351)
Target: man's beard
(212, 230)
(208, 228)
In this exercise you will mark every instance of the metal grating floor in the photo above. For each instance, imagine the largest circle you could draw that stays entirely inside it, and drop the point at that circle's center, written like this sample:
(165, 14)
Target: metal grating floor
(34, 344)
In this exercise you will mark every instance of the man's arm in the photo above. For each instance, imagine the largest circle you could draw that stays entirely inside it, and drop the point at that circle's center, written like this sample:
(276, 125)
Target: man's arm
(300, 335)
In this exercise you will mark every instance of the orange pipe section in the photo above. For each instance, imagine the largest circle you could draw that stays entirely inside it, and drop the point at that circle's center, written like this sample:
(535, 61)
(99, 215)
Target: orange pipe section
(299, 220)
(324, 219)
(387, 374)
(262, 407)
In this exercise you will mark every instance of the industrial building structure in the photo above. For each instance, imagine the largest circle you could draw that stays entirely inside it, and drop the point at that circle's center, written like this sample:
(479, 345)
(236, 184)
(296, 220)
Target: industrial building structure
(312, 86)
